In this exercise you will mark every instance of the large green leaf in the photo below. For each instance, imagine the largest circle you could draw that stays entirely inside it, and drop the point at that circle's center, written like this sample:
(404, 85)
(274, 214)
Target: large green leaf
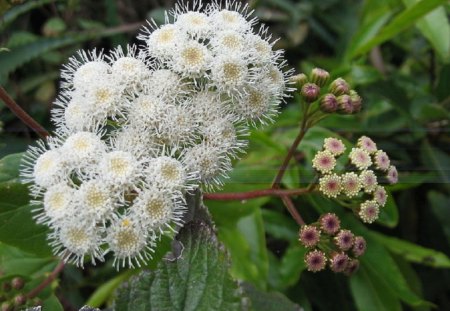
(440, 205)
(438, 161)
(199, 280)
(435, 27)
(272, 301)
(16, 11)
(402, 21)
(413, 252)
(9, 167)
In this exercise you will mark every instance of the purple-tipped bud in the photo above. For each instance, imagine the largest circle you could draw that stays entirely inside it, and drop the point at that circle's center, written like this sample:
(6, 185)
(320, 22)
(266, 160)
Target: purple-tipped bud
(345, 105)
(17, 283)
(339, 87)
(352, 267)
(329, 223)
(299, 80)
(344, 240)
(338, 262)
(20, 300)
(310, 92)
(309, 236)
(359, 246)
(328, 103)
(356, 101)
(319, 76)
(315, 260)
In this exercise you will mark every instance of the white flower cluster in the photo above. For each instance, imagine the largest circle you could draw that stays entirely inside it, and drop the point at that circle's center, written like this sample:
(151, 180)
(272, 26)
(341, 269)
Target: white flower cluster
(137, 129)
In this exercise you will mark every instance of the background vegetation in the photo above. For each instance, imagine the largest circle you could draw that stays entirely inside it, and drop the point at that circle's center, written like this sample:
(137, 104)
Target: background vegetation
(394, 52)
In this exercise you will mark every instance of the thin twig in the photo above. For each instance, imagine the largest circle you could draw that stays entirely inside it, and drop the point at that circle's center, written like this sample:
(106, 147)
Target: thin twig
(303, 129)
(292, 210)
(231, 196)
(22, 115)
(35, 291)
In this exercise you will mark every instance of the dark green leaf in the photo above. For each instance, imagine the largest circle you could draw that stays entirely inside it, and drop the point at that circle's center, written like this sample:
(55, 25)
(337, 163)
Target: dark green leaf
(268, 301)
(437, 161)
(9, 167)
(199, 280)
(440, 205)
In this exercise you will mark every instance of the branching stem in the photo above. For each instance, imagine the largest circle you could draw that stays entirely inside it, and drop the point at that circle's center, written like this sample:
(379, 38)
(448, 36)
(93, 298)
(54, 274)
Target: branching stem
(35, 291)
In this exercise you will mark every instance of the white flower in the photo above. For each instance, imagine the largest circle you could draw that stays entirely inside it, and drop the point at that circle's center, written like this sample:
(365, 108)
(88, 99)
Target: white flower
(140, 143)
(82, 148)
(191, 59)
(129, 242)
(162, 42)
(58, 204)
(179, 127)
(119, 168)
(76, 239)
(167, 173)
(360, 158)
(195, 24)
(209, 162)
(260, 49)
(50, 168)
(256, 105)
(166, 84)
(96, 200)
(229, 73)
(157, 209)
(208, 107)
(229, 42)
(368, 180)
(229, 20)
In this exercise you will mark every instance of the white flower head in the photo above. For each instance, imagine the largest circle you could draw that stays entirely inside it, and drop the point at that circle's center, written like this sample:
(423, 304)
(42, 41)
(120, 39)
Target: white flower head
(167, 84)
(158, 209)
(129, 242)
(148, 111)
(132, 138)
(229, 20)
(96, 201)
(50, 168)
(58, 205)
(82, 148)
(75, 240)
(196, 24)
(209, 162)
(257, 106)
(260, 49)
(119, 168)
(360, 158)
(368, 180)
(191, 59)
(230, 73)
(229, 42)
(167, 173)
(162, 42)
(178, 127)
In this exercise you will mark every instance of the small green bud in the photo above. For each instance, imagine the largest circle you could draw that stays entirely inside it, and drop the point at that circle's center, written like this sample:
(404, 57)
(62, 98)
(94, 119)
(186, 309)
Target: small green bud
(319, 76)
(345, 105)
(17, 283)
(299, 80)
(339, 87)
(328, 103)
(310, 92)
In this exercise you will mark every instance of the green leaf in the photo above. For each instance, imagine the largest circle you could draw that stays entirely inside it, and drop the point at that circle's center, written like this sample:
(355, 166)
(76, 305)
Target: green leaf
(16, 11)
(268, 301)
(52, 303)
(9, 167)
(413, 252)
(437, 161)
(402, 21)
(370, 293)
(440, 205)
(389, 213)
(198, 280)
(435, 27)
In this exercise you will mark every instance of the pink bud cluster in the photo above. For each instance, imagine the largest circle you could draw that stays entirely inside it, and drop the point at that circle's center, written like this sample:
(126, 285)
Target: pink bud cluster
(329, 244)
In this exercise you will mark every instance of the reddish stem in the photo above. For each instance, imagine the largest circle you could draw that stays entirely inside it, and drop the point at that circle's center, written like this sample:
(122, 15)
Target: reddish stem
(21, 114)
(230, 196)
(292, 210)
(35, 291)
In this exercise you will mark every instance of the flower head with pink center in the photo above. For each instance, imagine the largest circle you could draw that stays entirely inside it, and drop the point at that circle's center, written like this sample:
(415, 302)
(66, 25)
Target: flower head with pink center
(338, 262)
(368, 180)
(369, 211)
(352, 267)
(380, 195)
(359, 246)
(367, 144)
(309, 236)
(351, 184)
(381, 160)
(392, 175)
(334, 145)
(330, 223)
(330, 185)
(315, 260)
(344, 240)
(324, 161)
(360, 158)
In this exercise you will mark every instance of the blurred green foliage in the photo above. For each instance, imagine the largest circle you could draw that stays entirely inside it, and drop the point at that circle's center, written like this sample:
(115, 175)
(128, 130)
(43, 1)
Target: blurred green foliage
(396, 54)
